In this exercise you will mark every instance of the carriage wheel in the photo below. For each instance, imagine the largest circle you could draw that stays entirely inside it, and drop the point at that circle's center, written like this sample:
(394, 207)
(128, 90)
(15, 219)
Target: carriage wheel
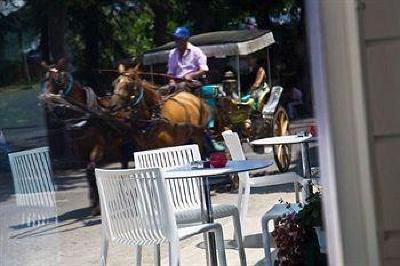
(282, 153)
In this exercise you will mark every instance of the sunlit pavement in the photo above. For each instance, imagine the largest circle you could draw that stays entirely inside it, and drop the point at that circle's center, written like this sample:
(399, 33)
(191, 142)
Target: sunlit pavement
(76, 238)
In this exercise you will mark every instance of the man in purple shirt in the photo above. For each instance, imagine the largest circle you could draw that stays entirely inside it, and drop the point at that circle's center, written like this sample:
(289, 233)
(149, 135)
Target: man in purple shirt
(187, 63)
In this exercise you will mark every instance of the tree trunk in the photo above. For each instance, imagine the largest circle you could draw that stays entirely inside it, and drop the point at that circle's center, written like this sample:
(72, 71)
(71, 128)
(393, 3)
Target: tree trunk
(44, 38)
(23, 57)
(91, 38)
(57, 14)
(160, 10)
(53, 48)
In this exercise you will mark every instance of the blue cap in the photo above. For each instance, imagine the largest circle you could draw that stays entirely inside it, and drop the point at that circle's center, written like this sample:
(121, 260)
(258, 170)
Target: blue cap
(182, 33)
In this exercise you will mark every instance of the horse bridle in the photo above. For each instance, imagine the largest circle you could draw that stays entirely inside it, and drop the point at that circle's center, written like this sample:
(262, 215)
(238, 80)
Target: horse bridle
(131, 88)
(66, 79)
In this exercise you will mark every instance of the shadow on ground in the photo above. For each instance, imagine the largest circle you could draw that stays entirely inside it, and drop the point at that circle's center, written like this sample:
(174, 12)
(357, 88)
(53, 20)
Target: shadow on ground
(68, 221)
(70, 182)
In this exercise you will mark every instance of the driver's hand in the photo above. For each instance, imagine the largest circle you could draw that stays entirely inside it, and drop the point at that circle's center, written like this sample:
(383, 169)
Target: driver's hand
(172, 83)
(188, 77)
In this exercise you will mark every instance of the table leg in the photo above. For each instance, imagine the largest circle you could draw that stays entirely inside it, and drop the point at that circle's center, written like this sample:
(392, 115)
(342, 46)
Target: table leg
(306, 162)
(211, 247)
(204, 216)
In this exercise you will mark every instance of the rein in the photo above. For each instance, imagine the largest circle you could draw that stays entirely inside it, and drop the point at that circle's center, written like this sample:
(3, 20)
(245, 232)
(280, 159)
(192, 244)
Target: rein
(144, 73)
(139, 97)
(69, 84)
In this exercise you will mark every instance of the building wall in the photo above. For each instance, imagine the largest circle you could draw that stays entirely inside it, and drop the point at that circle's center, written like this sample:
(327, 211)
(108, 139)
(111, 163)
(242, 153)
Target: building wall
(341, 107)
(380, 39)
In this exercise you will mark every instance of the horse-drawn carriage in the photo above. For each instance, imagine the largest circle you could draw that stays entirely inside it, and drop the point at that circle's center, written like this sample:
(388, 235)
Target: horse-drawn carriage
(263, 117)
(138, 114)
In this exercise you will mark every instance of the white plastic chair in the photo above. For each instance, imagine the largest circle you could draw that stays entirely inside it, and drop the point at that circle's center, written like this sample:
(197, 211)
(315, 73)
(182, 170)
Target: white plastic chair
(234, 146)
(185, 192)
(137, 211)
(34, 189)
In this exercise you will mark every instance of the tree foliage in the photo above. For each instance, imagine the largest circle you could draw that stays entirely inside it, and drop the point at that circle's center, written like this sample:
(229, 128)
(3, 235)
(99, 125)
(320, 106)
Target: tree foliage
(94, 34)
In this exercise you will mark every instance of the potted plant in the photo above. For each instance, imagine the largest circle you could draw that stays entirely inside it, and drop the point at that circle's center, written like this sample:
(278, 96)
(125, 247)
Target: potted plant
(290, 239)
(296, 235)
(311, 219)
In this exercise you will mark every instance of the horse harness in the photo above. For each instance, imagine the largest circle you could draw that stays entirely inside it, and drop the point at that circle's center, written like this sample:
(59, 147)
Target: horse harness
(131, 89)
(145, 125)
(65, 83)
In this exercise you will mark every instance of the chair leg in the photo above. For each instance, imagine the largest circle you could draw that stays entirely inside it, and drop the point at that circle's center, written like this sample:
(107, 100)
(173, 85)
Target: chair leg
(104, 250)
(173, 254)
(138, 251)
(239, 238)
(296, 191)
(244, 208)
(219, 239)
(157, 256)
(266, 240)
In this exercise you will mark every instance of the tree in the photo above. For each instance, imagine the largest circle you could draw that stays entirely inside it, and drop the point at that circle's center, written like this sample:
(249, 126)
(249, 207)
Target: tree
(15, 23)
(89, 17)
(50, 19)
(56, 16)
(160, 10)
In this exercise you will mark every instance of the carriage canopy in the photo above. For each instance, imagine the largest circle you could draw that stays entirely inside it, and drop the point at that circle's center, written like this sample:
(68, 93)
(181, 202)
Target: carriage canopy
(217, 44)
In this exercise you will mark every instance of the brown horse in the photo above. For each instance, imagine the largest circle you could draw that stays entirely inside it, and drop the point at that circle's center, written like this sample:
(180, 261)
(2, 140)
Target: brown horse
(176, 120)
(153, 122)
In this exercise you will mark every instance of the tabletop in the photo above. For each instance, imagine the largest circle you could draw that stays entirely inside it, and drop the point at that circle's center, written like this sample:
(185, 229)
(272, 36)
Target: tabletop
(291, 139)
(231, 167)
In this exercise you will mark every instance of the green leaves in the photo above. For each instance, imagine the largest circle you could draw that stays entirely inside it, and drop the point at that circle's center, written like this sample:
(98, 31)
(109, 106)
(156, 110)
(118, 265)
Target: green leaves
(311, 215)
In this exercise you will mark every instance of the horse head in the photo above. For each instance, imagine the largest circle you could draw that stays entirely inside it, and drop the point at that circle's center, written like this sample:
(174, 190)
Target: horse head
(58, 88)
(127, 88)
(56, 79)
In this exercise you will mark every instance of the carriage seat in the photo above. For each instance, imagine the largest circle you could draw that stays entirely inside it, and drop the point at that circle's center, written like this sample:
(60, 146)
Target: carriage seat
(250, 101)
(246, 100)
(273, 101)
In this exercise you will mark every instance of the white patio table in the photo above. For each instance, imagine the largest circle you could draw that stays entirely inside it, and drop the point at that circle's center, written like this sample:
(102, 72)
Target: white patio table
(293, 139)
(230, 168)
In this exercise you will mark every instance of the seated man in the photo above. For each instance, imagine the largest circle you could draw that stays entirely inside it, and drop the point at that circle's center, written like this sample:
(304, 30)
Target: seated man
(186, 64)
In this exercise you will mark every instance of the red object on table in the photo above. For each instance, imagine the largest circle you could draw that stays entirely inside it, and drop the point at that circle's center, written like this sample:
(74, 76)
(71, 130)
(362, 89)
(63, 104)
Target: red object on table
(313, 131)
(218, 160)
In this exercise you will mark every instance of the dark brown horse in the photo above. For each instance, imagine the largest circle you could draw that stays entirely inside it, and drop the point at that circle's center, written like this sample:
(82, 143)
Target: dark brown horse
(96, 138)
(58, 81)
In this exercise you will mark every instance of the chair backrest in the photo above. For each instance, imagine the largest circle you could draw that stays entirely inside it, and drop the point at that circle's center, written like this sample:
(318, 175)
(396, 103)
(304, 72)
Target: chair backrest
(167, 158)
(232, 142)
(135, 207)
(32, 176)
(273, 101)
(184, 191)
